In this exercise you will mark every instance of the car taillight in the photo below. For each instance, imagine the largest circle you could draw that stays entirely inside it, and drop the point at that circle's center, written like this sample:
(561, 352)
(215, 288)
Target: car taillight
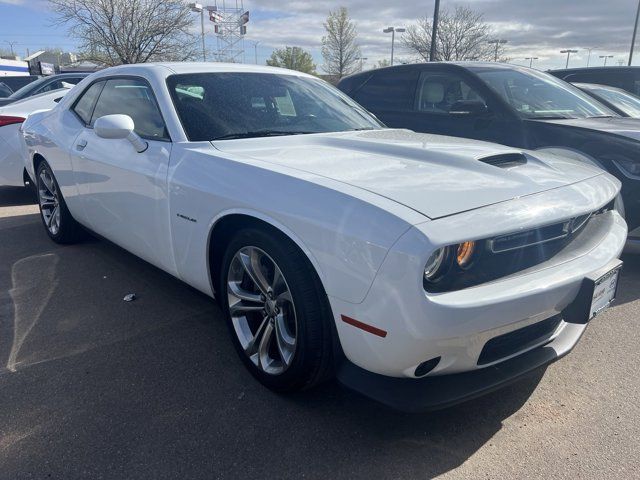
(7, 120)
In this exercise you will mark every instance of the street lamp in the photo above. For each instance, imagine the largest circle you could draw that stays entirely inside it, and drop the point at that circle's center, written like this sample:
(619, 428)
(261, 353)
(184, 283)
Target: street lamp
(255, 50)
(362, 59)
(497, 42)
(531, 59)
(393, 31)
(568, 52)
(197, 8)
(589, 57)
(605, 58)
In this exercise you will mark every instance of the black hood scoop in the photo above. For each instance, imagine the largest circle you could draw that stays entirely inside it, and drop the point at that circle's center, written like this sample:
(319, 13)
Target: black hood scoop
(506, 160)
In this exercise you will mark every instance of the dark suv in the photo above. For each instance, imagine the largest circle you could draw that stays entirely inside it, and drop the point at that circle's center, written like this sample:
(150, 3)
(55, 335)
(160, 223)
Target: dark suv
(627, 78)
(507, 104)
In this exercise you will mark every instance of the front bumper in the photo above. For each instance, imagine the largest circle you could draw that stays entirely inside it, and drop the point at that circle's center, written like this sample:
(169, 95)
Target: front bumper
(442, 391)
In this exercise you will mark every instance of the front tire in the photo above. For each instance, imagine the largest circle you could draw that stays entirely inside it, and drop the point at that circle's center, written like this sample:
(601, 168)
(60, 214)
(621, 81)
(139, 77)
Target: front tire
(277, 312)
(56, 218)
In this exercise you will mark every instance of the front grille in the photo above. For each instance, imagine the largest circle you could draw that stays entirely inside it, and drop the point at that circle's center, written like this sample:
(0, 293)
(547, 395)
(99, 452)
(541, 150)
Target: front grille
(513, 342)
(509, 254)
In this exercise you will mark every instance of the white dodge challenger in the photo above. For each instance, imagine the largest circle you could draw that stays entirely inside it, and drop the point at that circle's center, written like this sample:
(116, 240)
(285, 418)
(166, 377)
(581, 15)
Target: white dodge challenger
(421, 270)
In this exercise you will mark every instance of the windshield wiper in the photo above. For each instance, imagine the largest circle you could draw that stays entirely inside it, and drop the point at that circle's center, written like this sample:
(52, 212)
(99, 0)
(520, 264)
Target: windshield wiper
(260, 133)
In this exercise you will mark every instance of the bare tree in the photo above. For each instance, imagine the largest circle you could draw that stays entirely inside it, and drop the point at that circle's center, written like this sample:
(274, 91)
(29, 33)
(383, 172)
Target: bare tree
(462, 35)
(293, 58)
(114, 32)
(339, 49)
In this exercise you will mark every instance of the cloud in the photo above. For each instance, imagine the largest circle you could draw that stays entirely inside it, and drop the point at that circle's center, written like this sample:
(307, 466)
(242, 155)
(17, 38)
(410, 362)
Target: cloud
(538, 28)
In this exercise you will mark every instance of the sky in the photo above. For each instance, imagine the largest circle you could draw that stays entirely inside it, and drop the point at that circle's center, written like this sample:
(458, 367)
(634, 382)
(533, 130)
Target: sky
(533, 28)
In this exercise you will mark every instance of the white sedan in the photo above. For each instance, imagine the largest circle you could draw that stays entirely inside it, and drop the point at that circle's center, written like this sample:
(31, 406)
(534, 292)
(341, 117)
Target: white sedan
(12, 171)
(422, 270)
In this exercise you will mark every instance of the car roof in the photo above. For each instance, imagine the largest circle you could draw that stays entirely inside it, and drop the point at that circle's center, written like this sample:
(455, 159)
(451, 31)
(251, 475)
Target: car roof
(171, 68)
(613, 68)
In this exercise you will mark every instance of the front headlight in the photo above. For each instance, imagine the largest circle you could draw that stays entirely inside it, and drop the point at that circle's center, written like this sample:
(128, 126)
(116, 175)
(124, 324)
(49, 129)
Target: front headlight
(448, 259)
(436, 265)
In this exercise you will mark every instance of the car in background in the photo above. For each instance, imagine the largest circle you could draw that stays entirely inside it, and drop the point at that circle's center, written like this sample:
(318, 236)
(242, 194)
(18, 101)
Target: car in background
(422, 270)
(43, 85)
(12, 171)
(516, 106)
(620, 101)
(9, 84)
(626, 78)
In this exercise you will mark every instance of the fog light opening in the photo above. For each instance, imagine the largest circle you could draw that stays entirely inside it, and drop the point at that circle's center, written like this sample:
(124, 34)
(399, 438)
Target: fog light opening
(426, 367)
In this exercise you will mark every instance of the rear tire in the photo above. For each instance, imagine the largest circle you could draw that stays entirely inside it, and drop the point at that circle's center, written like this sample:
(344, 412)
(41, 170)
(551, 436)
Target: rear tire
(276, 310)
(56, 218)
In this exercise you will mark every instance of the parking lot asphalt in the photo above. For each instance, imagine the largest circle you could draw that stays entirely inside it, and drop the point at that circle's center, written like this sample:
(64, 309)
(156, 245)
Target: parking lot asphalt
(95, 387)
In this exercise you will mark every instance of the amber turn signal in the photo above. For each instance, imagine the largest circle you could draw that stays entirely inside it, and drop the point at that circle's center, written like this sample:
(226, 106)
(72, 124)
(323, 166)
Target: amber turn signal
(465, 254)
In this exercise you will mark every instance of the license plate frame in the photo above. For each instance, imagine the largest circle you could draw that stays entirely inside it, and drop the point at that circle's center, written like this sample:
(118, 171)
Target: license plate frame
(605, 290)
(580, 310)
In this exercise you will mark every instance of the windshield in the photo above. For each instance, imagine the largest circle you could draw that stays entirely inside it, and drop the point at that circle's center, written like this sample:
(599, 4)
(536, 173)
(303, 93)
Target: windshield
(539, 95)
(626, 102)
(221, 106)
(28, 88)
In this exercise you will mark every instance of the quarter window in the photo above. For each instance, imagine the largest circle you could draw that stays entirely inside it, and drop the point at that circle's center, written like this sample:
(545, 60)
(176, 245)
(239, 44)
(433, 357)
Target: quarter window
(126, 96)
(84, 106)
(389, 90)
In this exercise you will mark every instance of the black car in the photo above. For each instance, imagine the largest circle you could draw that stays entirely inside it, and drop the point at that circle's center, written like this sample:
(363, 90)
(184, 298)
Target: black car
(620, 101)
(626, 78)
(507, 104)
(42, 85)
(10, 84)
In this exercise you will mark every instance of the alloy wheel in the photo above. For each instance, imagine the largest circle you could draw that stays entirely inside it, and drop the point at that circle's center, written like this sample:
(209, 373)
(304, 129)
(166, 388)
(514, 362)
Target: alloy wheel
(49, 199)
(262, 310)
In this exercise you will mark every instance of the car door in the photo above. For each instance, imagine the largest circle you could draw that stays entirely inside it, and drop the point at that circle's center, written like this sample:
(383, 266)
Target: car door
(124, 193)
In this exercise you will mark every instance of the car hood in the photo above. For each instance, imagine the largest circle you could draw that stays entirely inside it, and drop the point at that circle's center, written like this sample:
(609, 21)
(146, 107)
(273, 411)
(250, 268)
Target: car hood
(623, 126)
(434, 175)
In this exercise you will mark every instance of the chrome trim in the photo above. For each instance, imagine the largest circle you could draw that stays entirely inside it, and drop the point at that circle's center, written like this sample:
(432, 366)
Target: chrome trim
(569, 227)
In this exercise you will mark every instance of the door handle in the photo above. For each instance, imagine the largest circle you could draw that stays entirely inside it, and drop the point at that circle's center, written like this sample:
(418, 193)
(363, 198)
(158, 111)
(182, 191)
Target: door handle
(81, 144)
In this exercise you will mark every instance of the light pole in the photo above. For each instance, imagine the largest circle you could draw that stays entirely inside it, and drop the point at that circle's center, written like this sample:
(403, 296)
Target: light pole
(589, 56)
(255, 51)
(531, 59)
(568, 52)
(393, 31)
(497, 42)
(434, 32)
(197, 8)
(605, 58)
(635, 30)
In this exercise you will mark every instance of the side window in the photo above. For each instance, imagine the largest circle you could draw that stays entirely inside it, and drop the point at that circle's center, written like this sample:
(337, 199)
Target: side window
(132, 97)
(438, 92)
(389, 90)
(84, 105)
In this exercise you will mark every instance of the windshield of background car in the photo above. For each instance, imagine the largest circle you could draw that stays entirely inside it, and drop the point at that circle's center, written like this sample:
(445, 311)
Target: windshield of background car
(628, 103)
(539, 95)
(28, 88)
(230, 105)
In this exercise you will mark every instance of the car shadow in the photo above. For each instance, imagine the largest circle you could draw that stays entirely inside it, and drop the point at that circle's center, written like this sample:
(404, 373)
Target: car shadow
(16, 196)
(153, 388)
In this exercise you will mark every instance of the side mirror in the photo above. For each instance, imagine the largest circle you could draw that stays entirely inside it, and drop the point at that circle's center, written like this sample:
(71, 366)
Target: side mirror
(468, 107)
(119, 127)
